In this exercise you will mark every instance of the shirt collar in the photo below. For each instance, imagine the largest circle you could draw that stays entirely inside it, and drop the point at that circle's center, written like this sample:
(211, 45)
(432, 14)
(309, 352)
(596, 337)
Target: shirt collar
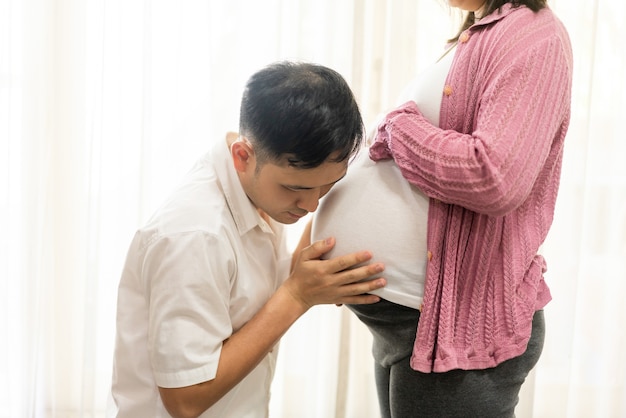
(496, 15)
(244, 213)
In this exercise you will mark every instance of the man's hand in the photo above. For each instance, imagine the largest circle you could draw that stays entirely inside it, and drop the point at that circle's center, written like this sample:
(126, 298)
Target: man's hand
(339, 280)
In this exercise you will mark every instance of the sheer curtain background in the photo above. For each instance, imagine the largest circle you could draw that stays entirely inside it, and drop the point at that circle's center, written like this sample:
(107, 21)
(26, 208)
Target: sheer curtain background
(105, 104)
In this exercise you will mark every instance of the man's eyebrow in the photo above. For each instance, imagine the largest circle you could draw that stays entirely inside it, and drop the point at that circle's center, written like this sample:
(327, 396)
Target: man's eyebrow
(297, 187)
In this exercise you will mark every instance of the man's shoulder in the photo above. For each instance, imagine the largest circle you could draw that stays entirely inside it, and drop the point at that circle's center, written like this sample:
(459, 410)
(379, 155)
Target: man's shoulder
(196, 205)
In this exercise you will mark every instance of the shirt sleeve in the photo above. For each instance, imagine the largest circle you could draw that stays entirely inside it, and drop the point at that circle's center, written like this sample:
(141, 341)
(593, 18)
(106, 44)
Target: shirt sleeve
(188, 279)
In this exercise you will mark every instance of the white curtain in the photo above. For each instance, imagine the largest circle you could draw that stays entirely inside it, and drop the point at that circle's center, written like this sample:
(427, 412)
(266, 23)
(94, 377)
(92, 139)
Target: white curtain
(104, 104)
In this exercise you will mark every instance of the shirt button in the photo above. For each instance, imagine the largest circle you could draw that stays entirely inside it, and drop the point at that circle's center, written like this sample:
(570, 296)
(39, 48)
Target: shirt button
(429, 255)
(447, 90)
(464, 37)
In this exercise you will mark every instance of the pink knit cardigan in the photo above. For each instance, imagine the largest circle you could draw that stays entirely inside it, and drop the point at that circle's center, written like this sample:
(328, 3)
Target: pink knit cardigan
(492, 174)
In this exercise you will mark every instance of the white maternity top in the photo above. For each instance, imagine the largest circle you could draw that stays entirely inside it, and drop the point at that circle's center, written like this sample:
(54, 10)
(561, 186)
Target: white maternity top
(374, 208)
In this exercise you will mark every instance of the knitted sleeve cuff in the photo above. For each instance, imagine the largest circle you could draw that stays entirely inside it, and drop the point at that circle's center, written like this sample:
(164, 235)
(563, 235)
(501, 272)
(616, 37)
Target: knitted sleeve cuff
(381, 148)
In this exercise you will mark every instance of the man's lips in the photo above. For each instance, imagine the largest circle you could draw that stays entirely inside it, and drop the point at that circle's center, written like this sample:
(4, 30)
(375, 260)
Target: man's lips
(297, 216)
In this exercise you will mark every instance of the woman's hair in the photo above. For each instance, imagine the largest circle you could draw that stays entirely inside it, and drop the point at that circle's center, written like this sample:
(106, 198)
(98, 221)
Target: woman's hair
(493, 5)
(302, 113)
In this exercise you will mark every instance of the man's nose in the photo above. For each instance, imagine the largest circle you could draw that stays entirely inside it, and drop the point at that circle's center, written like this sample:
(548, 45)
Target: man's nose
(309, 199)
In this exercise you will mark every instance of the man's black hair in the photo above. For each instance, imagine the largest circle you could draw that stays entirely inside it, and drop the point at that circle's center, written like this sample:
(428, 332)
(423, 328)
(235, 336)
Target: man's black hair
(301, 112)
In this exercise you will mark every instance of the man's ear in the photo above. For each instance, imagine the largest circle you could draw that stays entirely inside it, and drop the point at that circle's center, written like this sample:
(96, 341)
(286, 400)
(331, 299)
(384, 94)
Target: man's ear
(243, 155)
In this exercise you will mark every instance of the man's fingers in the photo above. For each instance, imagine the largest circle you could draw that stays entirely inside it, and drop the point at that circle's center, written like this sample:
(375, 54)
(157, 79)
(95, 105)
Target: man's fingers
(360, 273)
(349, 262)
(317, 249)
(363, 287)
(336, 264)
(358, 293)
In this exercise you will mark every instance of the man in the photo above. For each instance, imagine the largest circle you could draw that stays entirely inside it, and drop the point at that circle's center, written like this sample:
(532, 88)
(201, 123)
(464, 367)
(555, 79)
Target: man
(207, 290)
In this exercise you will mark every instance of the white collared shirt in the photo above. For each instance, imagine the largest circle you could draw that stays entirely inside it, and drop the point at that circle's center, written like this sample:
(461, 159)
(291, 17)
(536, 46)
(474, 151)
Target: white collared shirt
(203, 265)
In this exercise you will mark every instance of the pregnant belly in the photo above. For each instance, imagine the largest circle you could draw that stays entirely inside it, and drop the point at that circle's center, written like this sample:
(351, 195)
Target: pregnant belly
(374, 208)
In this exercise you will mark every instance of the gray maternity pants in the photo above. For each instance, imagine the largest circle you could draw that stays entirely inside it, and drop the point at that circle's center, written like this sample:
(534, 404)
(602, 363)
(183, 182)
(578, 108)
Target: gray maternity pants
(406, 393)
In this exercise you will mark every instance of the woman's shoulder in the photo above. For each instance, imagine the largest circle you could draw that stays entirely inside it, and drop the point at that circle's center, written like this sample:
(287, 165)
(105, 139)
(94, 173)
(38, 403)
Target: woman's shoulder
(516, 31)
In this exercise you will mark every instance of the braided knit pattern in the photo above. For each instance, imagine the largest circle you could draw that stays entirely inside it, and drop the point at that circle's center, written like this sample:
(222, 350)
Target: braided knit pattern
(492, 173)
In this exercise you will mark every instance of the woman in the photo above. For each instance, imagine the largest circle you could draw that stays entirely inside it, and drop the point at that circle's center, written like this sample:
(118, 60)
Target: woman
(483, 141)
